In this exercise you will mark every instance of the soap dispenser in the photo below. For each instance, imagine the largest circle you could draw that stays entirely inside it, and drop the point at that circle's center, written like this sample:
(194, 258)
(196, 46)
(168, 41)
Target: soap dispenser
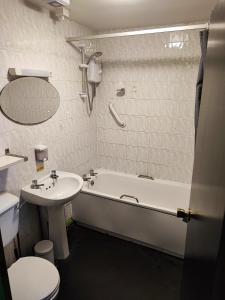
(41, 153)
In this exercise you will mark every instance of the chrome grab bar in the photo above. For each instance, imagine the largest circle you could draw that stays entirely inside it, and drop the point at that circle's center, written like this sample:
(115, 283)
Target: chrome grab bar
(129, 196)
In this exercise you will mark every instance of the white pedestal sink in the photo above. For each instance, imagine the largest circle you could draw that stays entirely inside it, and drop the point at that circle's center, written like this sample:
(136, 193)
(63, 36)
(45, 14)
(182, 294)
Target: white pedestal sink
(53, 193)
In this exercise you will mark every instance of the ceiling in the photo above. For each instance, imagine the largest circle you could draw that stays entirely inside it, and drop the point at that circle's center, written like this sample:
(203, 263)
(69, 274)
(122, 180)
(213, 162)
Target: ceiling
(117, 14)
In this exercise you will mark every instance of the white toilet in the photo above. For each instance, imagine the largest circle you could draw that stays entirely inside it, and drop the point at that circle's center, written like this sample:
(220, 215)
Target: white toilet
(30, 278)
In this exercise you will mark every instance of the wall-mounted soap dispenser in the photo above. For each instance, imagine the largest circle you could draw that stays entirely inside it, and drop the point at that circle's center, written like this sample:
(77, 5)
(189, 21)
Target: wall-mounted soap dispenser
(41, 153)
(41, 156)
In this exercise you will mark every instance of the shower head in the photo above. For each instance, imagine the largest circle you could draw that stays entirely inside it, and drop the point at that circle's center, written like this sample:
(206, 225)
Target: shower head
(96, 54)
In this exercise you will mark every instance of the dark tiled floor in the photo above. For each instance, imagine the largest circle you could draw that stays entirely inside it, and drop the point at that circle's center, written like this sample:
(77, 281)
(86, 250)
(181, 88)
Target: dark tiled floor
(101, 267)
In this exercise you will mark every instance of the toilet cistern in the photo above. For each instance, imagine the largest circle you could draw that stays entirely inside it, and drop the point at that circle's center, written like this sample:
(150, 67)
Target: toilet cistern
(27, 271)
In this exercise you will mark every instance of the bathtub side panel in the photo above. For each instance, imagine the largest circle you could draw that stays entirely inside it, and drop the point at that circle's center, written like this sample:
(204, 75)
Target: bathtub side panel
(158, 230)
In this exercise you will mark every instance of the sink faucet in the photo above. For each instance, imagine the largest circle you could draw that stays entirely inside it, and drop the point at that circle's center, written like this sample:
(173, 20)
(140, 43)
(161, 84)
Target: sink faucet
(54, 176)
(85, 178)
(35, 184)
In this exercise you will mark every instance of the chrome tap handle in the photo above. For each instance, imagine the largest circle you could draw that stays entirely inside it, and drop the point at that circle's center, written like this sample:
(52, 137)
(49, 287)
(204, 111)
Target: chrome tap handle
(93, 173)
(85, 178)
(35, 184)
(53, 174)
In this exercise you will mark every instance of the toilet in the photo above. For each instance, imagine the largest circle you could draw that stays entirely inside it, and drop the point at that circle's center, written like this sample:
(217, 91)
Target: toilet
(33, 278)
(30, 278)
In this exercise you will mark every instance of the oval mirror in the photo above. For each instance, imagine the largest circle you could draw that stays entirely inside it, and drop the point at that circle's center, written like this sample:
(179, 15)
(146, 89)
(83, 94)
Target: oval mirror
(29, 100)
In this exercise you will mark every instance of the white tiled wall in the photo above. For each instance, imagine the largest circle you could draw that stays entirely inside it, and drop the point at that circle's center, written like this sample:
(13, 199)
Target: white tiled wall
(158, 106)
(30, 38)
(159, 74)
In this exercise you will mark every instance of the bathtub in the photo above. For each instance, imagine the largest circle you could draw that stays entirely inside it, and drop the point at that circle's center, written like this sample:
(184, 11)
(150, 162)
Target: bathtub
(137, 209)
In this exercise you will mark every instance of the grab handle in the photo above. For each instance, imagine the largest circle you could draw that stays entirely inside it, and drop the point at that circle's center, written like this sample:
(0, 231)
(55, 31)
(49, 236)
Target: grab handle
(116, 116)
(129, 196)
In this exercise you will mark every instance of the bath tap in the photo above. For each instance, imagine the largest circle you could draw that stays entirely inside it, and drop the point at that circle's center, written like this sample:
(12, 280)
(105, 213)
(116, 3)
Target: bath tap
(85, 178)
(88, 179)
(93, 173)
(35, 184)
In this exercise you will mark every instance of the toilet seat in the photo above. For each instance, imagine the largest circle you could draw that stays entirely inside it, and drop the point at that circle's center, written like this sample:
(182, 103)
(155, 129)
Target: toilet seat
(33, 278)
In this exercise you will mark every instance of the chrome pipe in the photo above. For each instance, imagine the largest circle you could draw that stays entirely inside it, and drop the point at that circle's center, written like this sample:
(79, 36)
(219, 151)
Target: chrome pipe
(83, 72)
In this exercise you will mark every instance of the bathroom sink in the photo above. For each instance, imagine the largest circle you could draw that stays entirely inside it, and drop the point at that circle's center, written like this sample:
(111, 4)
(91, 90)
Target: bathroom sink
(53, 192)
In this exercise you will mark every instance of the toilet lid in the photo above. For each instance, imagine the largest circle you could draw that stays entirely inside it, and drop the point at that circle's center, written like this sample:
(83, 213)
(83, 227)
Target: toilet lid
(33, 278)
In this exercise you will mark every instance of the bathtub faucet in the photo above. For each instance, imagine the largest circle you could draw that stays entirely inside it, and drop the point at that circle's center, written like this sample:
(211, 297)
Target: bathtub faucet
(88, 179)
(85, 178)
(93, 173)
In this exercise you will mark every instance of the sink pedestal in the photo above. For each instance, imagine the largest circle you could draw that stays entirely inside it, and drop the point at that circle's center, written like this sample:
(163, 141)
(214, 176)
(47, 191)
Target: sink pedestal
(57, 231)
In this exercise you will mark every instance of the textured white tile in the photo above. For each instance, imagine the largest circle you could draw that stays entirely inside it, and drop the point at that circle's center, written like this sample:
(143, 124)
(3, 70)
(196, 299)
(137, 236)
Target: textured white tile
(142, 168)
(142, 154)
(158, 106)
(132, 153)
(31, 39)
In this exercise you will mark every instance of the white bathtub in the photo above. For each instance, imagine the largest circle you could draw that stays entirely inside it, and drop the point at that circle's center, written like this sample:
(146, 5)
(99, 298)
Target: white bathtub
(151, 222)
